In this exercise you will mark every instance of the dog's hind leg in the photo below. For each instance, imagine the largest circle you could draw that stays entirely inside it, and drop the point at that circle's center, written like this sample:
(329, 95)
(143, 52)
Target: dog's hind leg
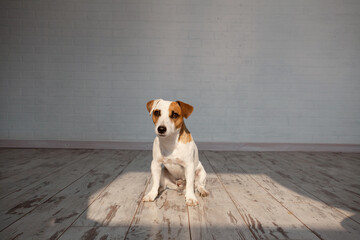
(200, 180)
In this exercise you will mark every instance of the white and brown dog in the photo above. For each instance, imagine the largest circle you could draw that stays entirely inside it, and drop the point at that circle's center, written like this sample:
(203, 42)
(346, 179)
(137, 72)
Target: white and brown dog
(175, 149)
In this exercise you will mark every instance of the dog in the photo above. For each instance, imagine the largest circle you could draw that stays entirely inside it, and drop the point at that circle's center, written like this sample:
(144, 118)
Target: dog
(175, 155)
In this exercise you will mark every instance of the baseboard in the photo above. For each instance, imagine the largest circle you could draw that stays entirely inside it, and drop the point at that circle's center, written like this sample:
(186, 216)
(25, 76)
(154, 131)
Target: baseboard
(215, 146)
(75, 144)
(301, 147)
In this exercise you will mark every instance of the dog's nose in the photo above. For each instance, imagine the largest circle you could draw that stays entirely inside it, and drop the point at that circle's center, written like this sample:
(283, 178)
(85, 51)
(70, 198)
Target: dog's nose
(161, 129)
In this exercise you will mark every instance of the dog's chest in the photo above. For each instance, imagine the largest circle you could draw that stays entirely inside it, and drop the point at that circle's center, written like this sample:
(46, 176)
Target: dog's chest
(175, 166)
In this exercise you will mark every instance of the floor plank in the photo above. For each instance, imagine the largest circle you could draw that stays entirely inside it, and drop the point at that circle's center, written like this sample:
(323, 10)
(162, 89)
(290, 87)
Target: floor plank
(335, 169)
(326, 187)
(72, 194)
(50, 164)
(265, 217)
(12, 157)
(216, 217)
(32, 161)
(165, 218)
(57, 213)
(20, 203)
(316, 215)
(115, 208)
(93, 233)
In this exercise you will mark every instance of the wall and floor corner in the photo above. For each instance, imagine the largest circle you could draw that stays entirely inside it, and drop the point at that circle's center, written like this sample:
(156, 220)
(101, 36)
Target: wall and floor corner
(255, 71)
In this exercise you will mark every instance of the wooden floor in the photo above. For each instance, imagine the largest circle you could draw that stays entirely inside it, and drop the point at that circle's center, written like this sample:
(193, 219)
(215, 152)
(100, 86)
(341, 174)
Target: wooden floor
(96, 194)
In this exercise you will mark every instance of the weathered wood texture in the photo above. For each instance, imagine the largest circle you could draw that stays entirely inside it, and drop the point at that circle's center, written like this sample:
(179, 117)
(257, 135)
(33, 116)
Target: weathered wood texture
(96, 194)
(36, 167)
(16, 205)
(216, 216)
(116, 205)
(299, 202)
(265, 217)
(166, 218)
(50, 219)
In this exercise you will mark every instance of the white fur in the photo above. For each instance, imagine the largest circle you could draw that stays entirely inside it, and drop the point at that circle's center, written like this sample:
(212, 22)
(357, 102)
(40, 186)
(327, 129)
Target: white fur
(180, 161)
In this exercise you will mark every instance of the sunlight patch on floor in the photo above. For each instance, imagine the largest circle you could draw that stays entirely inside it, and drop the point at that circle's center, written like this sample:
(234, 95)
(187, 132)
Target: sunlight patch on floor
(109, 209)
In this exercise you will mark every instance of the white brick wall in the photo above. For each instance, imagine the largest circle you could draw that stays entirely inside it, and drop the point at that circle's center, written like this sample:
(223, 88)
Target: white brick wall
(255, 71)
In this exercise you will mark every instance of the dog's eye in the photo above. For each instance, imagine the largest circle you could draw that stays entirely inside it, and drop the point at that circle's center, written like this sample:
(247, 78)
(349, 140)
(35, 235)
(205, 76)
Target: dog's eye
(174, 115)
(157, 113)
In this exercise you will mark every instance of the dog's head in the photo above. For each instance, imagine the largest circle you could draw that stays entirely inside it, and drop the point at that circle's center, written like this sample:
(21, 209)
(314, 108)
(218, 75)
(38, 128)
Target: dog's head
(168, 116)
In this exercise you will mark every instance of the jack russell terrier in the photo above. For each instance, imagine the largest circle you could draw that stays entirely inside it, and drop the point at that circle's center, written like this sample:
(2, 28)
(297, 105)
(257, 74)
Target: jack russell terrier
(175, 149)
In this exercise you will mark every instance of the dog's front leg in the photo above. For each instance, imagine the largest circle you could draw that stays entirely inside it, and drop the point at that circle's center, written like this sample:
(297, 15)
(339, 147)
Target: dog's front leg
(190, 176)
(155, 173)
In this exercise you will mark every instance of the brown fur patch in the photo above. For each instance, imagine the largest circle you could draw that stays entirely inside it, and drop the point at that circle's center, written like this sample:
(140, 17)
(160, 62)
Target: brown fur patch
(179, 121)
(155, 118)
(149, 105)
(185, 135)
(186, 109)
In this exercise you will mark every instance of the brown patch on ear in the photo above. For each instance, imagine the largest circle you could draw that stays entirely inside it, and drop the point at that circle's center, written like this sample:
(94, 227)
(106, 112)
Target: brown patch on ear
(185, 135)
(149, 105)
(186, 109)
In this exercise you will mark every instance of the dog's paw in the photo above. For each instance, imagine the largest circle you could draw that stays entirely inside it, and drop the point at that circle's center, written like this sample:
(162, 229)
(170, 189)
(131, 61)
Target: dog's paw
(150, 197)
(191, 200)
(203, 192)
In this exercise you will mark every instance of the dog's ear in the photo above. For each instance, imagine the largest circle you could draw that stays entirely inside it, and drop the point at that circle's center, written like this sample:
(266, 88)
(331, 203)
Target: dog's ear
(186, 109)
(149, 105)
(152, 104)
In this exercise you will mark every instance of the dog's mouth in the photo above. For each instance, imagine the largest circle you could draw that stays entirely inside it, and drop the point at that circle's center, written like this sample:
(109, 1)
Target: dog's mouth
(161, 135)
